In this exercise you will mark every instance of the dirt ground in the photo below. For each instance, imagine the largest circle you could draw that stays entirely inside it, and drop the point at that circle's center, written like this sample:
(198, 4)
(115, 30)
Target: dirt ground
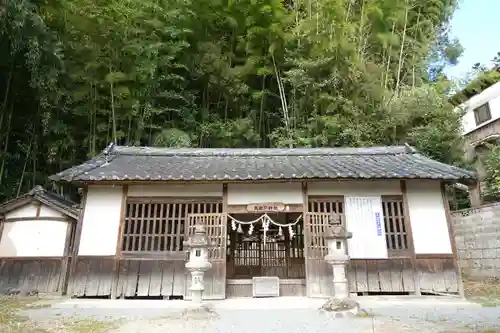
(13, 318)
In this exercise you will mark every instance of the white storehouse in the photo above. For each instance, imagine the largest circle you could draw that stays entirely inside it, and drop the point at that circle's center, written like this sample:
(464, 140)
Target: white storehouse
(36, 235)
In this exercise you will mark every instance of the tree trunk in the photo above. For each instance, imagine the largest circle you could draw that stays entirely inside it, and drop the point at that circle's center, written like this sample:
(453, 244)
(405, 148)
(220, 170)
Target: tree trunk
(401, 57)
(6, 144)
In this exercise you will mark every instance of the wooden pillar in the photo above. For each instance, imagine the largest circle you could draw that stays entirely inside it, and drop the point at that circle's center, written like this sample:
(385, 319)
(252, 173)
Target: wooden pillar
(453, 242)
(38, 209)
(224, 198)
(409, 231)
(116, 261)
(63, 281)
(307, 236)
(76, 240)
(2, 223)
(475, 194)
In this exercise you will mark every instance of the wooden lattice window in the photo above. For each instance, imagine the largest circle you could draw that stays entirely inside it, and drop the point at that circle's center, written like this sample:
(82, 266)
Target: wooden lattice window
(318, 217)
(396, 233)
(160, 226)
(326, 205)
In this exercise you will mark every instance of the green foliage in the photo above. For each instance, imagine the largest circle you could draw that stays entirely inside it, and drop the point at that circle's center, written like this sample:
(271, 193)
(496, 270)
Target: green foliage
(76, 75)
(484, 78)
(492, 180)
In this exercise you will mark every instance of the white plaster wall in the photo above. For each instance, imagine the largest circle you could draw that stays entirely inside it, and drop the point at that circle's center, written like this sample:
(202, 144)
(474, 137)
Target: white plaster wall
(177, 190)
(359, 188)
(28, 210)
(249, 193)
(35, 238)
(46, 211)
(428, 217)
(101, 221)
(491, 95)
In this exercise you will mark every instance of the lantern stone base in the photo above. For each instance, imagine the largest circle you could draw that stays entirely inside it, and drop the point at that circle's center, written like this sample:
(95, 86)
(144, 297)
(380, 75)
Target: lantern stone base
(340, 308)
(197, 311)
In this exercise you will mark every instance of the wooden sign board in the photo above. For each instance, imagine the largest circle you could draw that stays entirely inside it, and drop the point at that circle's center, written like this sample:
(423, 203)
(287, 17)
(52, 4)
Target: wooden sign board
(267, 207)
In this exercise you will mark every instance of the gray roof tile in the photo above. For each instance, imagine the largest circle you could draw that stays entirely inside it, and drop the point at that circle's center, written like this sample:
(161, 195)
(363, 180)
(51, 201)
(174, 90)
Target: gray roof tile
(145, 163)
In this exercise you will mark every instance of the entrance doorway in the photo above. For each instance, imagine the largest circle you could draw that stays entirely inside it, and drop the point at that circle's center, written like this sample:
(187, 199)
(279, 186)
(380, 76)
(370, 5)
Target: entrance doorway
(277, 251)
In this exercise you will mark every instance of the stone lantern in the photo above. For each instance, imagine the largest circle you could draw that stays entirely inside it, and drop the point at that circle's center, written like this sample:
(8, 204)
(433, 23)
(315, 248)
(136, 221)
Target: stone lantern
(198, 263)
(336, 238)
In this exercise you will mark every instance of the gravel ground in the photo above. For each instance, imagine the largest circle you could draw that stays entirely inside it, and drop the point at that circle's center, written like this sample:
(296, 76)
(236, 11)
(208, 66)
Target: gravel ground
(379, 317)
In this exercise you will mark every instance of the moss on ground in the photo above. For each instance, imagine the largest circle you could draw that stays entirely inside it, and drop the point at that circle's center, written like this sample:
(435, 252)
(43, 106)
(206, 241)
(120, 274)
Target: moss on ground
(89, 325)
(12, 322)
(485, 292)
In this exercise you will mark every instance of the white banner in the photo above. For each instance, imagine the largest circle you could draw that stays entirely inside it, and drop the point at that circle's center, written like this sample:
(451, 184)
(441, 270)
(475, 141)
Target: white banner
(364, 218)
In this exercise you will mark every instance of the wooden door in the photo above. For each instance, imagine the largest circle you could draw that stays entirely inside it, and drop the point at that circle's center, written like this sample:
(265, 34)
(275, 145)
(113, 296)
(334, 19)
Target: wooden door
(216, 229)
(319, 274)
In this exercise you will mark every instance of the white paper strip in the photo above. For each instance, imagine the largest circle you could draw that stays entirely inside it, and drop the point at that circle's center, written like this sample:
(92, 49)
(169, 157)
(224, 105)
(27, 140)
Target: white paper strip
(364, 218)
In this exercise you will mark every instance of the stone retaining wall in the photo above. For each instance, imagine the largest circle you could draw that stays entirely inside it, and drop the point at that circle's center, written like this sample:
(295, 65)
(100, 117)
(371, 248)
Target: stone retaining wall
(477, 233)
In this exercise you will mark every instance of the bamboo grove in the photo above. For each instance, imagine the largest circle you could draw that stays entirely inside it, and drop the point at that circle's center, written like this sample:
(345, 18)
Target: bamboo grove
(76, 75)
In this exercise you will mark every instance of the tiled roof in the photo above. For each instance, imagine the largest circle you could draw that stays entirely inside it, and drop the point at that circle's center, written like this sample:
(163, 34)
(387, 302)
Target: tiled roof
(184, 164)
(40, 194)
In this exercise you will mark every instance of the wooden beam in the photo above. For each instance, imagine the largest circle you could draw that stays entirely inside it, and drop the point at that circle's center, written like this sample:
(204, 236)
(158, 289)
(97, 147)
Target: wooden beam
(78, 235)
(40, 218)
(38, 209)
(119, 241)
(453, 241)
(167, 200)
(435, 256)
(411, 244)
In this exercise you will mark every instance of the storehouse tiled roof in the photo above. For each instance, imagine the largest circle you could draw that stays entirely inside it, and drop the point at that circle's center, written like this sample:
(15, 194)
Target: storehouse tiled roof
(51, 199)
(118, 163)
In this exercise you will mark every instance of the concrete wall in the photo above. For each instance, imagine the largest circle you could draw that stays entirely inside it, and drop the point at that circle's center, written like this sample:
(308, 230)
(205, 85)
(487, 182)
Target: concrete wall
(477, 233)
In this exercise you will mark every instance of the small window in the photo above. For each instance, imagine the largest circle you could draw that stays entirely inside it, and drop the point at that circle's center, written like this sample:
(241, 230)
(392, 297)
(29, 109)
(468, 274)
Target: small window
(396, 233)
(482, 114)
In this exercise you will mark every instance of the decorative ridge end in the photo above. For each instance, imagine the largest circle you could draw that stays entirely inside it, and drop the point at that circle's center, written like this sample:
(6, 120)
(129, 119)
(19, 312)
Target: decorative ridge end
(38, 189)
(410, 149)
(109, 149)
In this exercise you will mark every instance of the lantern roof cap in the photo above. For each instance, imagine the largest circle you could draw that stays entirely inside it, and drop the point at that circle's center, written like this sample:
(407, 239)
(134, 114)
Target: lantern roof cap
(199, 239)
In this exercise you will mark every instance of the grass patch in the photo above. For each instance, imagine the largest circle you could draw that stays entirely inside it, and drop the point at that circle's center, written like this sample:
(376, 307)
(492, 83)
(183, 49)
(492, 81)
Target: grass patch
(12, 322)
(485, 292)
(365, 315)
(89, 325)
